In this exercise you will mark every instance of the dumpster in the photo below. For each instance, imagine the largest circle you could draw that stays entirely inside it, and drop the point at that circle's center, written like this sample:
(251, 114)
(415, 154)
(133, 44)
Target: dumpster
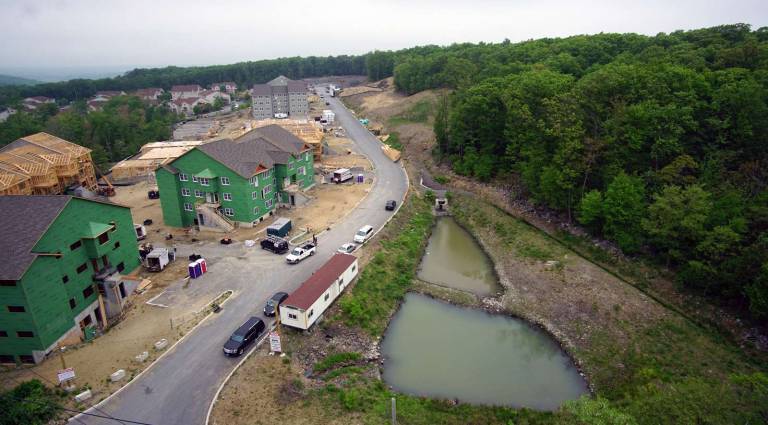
(280, 227)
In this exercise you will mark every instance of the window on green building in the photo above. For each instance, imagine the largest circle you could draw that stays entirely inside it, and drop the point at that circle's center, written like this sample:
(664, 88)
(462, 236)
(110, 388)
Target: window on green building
(83, 267)
(194, 179)
(27, 359)
(229, 212)
(25, 334)
(76, 245)
(187, 206)
(117, 245)
(16, 309)
(185, 191)
(203, 181)
(7, 359)
(183, 177)
(65, 279)
(121, 267)
(103, 238)
(4, 334)
(87, 292)
(224, 181)
(72, 303)
(227, 196)
(7, 283)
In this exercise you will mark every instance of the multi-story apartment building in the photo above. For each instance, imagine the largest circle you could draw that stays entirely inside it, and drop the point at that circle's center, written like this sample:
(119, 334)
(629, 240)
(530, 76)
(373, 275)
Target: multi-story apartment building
(228, 183)
(61, 271)
(280, 97)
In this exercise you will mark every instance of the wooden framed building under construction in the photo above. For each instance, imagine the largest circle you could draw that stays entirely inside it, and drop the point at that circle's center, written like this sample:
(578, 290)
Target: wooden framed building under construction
(42, 164)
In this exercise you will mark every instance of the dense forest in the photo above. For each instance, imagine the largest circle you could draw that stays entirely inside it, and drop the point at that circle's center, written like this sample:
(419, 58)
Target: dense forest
(659, 144)
(244, 74)
(114, 133)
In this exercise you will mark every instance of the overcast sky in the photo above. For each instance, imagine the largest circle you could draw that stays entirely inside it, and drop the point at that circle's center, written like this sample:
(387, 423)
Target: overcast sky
(133, 33)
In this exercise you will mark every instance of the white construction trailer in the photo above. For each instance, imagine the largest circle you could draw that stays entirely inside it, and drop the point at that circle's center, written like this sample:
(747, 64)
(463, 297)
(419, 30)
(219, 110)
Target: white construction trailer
(308, 303)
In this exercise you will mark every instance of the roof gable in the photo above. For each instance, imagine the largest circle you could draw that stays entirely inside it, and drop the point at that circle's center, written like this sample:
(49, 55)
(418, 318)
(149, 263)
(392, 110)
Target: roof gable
(25, 219)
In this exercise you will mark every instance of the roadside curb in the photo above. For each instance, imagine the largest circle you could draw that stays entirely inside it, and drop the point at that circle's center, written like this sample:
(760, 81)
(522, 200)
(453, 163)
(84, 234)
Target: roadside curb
(232, 372)
(168, 350)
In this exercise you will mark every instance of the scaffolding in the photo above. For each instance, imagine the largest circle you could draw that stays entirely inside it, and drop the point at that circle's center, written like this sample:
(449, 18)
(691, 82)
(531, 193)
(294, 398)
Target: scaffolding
(42, 164)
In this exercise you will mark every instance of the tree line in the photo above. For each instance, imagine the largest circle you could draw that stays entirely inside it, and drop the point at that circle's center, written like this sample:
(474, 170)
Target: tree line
(245, 74)
(659, 144)
(117, 131)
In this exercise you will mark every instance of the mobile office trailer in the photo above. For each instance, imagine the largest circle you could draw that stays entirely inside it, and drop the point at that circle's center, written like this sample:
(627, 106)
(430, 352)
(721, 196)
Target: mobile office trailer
(141, 231)
(308, 303)
(341, 175)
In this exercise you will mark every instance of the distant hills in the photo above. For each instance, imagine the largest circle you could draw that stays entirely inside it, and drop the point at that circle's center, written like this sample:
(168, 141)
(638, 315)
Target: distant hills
(10, 80)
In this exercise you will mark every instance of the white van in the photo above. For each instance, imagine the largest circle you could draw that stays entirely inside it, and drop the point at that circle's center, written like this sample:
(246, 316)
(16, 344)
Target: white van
(341, 175)
(363, 234)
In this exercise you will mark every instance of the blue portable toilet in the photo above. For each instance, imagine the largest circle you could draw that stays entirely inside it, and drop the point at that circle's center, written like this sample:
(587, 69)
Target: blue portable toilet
(194, 270)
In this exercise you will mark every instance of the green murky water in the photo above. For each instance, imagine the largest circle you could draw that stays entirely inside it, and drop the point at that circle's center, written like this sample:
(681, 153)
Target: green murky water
(454, 259)
(439, 350)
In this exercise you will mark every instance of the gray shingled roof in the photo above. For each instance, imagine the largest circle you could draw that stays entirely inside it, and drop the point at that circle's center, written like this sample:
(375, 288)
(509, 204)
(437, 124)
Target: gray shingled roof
(261, 90)
(23, 221)
(265, 146)
(296, 86)
(279, 81)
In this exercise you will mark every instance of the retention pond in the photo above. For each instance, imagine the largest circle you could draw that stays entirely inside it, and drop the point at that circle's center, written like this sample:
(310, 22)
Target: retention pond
(436, 349)
(453, 258)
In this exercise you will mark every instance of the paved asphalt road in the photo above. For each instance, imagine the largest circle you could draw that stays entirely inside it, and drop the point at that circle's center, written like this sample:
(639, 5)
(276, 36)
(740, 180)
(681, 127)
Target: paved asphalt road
(179, 388)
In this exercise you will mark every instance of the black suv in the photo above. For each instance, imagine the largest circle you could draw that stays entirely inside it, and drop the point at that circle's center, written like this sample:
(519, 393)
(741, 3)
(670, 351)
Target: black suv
(390, 205)
(271, 308)
(275, 244)
(244, 336)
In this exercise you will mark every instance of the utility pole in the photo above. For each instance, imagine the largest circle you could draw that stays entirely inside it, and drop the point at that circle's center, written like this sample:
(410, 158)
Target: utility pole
(394, 411)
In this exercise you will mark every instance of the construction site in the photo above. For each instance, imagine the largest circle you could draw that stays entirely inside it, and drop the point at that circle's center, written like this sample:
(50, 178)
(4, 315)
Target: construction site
(42, 164)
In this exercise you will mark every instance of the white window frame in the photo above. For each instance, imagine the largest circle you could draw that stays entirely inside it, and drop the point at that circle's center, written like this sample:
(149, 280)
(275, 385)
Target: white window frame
(306, 156)
(302, 171)
(204, 181)
(194, 179)
(185, 191)
(290, 164)
(229, 212)
(268, 203)
(183, 177)
(188, 206)
(256, 210)
(199, 193)
(255, 194)
(224, 181)
(255, 181)
(226, 196)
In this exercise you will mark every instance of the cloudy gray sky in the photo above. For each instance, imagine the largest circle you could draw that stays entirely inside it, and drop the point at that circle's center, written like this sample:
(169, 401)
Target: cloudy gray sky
(131, 33)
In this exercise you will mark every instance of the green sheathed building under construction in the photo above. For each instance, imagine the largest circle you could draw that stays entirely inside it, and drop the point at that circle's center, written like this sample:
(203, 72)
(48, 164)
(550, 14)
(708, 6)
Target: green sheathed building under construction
(228, 183)
(60, 273)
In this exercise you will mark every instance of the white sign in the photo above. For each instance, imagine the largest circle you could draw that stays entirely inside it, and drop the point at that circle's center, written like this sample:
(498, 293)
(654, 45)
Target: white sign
(274, 342)
(66, 374)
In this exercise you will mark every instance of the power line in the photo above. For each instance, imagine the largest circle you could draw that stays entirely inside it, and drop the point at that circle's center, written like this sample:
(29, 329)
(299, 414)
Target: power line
(90, 405)
(26, 400)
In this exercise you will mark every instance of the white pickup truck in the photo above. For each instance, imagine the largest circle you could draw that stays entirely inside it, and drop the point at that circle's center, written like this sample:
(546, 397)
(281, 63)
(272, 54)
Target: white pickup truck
(301, 252)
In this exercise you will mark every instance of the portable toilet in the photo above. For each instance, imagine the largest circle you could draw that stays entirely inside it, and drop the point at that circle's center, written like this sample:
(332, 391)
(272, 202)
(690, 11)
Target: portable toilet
(193, 271)
(360, 178)
(280, 227)
(203, 265)
(198, 269)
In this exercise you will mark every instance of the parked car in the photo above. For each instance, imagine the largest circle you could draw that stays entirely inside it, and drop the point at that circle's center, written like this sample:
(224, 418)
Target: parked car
(390, 206)
(300, 252)
(347, 248)
(270, 309)
(363, 234)
(244, 336)
(275, 244)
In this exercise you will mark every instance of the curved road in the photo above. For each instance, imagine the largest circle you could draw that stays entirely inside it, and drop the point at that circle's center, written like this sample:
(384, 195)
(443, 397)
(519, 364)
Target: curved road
(178, 388)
